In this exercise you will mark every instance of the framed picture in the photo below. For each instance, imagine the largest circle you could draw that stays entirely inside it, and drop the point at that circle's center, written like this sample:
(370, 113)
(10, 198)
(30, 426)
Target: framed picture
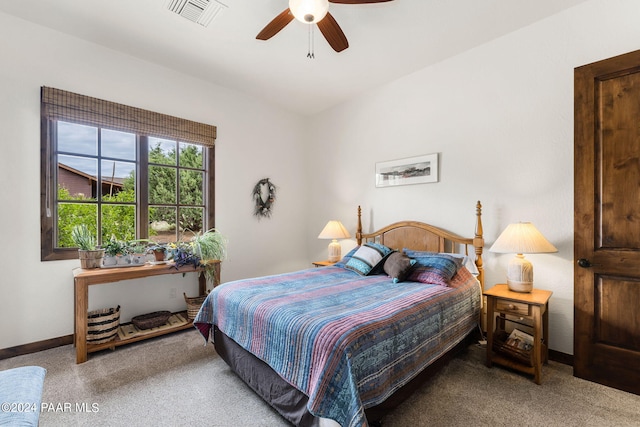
(413, 170)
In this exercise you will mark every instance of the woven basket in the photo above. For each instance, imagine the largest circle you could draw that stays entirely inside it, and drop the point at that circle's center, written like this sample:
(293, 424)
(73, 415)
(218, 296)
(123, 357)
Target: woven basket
(102, 325)
(151, 320)
(193, 305)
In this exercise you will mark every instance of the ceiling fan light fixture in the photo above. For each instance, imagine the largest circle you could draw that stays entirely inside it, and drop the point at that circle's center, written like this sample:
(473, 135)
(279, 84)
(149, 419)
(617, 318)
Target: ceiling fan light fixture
(309, 11)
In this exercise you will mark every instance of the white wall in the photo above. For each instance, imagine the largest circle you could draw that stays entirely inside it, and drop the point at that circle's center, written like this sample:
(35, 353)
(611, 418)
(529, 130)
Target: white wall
(501, 117)
(255, 140)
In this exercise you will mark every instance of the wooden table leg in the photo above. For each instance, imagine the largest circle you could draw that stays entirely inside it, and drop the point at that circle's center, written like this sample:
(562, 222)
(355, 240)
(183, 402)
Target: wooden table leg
(490, 308)
(202, 284)
(537, 343)
(545, 332)
(81, 306)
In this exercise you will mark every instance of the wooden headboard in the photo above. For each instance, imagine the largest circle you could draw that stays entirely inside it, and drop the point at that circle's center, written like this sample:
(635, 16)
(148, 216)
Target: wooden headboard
(425, 237)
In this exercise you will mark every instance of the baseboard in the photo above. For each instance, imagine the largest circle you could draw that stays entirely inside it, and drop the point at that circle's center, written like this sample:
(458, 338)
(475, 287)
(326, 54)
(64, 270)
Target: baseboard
(6, 353)
(35, 347)
(558, 356)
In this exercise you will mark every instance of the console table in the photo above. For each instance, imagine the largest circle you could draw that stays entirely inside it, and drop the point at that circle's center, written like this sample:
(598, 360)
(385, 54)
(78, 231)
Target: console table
(83, 278)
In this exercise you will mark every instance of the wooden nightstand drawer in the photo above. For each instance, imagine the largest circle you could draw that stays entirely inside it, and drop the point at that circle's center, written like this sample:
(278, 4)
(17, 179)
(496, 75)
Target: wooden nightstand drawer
(512, 307)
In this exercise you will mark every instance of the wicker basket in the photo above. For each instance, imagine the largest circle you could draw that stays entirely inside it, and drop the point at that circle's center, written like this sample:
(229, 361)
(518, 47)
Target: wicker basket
(193, 305)
(151, 320)
(102, 325)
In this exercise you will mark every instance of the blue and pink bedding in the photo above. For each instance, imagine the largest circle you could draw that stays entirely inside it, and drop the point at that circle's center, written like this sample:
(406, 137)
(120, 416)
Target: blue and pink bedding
(345, 340)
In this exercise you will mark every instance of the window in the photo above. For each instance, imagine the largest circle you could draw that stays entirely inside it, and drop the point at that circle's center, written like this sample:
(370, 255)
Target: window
(123, 171)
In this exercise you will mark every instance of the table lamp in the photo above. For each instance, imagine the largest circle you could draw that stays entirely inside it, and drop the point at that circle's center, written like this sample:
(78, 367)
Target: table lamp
(334, 230)
(521, 238)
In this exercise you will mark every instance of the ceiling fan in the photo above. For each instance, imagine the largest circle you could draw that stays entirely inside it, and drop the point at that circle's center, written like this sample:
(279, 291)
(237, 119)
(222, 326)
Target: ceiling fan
(313, 12)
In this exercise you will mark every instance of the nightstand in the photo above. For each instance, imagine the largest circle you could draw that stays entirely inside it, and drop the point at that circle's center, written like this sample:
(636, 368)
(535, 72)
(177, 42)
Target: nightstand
(323, 263)
(516, 307)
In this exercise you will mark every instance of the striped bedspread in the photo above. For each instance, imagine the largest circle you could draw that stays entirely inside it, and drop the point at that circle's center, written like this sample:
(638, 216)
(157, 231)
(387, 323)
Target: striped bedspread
(346, 341)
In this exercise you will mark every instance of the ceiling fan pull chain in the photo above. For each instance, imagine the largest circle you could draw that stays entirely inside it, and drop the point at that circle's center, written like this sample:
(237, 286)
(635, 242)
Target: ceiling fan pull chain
(311, 53)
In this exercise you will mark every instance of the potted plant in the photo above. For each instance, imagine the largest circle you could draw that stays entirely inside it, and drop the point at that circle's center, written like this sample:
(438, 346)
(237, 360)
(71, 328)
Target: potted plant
(90, 256)
(137, 250)
(158, 250)
(181, 253)
(115, 252)
(210, 247)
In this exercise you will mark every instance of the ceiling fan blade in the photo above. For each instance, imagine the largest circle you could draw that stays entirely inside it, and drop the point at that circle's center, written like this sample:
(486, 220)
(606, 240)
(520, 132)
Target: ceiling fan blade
(358, 1)
(277, 24)
(333, 33)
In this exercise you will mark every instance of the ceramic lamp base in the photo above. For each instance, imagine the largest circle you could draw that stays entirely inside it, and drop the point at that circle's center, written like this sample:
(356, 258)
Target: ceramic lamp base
(520, 274)
(519, 286)
(335, 251)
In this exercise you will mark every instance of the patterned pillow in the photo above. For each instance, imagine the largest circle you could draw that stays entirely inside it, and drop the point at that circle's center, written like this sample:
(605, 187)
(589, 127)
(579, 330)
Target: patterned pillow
(435, 268)
(458, 258)
(467, 261)
(398, 265)
(346, 258)
(367, 257)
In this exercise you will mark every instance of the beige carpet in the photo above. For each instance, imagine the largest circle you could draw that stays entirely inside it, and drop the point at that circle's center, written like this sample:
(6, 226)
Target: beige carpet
(176, 381)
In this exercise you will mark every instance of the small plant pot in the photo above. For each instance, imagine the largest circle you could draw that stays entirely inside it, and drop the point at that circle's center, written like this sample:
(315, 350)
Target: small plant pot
(138, 259)
(123, 259)
(91, 259)
(159, 255)
(109, 261)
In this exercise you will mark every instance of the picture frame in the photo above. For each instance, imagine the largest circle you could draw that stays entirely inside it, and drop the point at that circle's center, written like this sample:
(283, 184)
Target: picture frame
(411, 170)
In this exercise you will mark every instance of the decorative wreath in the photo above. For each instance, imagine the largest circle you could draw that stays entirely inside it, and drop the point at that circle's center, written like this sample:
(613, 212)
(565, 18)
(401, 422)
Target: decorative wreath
(263, 207)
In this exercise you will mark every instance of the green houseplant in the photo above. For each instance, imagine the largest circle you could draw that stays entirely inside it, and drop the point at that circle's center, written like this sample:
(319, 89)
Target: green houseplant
(158, 250)
(137, 250)
(115, 252)
(209, 247)
(90, 256)
(205, 249)
(115, 247)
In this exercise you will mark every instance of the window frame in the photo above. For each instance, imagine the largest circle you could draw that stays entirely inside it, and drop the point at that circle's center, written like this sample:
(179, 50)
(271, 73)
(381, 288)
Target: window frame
(175, 129)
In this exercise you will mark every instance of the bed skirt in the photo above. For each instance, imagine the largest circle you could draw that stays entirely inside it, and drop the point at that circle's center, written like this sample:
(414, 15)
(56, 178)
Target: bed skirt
(290, 402)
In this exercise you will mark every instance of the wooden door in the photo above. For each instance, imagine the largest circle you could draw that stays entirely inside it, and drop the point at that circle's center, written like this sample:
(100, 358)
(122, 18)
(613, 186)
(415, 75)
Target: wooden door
(607, 222)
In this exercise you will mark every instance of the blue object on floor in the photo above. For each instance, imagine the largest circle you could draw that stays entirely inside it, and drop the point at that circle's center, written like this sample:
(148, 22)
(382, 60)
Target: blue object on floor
(21, 395)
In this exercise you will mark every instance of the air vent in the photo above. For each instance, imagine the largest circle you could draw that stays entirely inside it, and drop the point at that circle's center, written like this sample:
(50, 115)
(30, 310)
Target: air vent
(199, 11)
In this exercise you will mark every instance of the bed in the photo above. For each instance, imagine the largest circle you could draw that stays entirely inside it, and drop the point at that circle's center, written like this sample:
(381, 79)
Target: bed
(340, 345)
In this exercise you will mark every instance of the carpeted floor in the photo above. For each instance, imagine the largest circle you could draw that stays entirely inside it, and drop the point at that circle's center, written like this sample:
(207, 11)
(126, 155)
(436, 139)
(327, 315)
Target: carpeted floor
(176, 381)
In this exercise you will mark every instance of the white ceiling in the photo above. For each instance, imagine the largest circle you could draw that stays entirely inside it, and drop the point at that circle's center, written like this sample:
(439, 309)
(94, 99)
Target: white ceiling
(387, 40)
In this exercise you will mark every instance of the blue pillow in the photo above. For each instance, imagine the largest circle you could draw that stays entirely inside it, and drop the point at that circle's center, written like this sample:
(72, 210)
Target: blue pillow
(467, 261)
(459, 259)
(433, 268)
(368, 256)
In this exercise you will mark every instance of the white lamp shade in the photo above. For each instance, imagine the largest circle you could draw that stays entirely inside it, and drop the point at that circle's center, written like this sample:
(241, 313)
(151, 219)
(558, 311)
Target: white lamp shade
(334, 230)
(521, 238)
(309, 11)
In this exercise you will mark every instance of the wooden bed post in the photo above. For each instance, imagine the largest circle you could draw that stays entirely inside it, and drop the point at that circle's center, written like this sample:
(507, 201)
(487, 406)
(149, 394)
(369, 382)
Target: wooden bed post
(478, 243)
(359, 230)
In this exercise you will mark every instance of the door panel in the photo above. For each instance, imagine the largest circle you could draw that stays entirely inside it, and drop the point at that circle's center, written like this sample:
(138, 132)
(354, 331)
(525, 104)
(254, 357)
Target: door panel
(607, 222)
(612, 325)
(620, 161)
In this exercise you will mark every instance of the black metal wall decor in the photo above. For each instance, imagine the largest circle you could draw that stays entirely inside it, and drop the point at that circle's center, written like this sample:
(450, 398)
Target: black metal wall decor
(264, 196)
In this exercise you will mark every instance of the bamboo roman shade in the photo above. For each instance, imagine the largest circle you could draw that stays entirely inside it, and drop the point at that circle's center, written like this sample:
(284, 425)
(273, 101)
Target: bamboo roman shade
(62, 105)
